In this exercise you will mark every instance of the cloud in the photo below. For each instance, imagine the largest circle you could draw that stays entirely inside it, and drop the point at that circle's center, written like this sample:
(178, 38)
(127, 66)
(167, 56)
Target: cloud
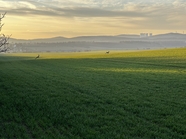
(27, 5)
(108, 14)
(152, 12)
(26, 8)
(94, 8)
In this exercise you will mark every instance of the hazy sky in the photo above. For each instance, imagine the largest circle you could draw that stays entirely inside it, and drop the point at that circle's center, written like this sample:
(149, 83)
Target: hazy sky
(68, 18)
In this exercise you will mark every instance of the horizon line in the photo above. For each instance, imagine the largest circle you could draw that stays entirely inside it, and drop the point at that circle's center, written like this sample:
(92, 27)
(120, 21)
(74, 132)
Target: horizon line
(137, 34)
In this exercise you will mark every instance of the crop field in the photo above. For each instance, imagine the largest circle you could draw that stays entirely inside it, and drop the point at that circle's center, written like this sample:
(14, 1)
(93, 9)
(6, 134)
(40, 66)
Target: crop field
(93, 95)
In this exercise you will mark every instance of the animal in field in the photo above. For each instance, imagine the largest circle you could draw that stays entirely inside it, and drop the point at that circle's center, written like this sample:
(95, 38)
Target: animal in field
(107, 52)
(37, 56)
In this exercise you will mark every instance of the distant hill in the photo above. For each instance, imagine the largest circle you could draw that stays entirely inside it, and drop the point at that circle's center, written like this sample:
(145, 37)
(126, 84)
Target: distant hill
(95, 43)
(42, 40)
(129, 35)
(118, 38)
(170, 36)
(55, 39)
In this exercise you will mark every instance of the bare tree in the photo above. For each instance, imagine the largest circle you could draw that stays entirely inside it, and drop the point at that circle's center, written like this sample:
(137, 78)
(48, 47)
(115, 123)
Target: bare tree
(3, 37)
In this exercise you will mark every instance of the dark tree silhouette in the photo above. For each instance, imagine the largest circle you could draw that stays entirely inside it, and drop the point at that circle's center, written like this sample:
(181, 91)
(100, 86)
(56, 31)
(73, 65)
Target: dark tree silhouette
(3, 37)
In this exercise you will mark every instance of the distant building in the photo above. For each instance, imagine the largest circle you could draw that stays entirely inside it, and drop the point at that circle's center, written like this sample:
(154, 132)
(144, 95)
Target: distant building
(145, 34)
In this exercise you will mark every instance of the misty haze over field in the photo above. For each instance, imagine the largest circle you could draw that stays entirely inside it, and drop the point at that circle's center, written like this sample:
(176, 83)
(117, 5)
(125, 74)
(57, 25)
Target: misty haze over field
(96, 43)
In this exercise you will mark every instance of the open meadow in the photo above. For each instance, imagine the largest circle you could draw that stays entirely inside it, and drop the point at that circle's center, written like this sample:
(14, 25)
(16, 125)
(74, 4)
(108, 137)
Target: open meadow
(93, 95)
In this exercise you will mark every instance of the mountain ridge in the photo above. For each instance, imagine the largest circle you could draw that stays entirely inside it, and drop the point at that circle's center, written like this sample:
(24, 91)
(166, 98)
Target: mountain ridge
(101, 38)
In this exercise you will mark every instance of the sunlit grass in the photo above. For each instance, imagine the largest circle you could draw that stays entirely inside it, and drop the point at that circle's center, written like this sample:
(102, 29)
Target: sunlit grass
(142, 70)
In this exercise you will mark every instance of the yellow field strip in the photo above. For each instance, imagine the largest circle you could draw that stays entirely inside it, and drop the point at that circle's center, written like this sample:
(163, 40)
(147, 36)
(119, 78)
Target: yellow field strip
(170, 53)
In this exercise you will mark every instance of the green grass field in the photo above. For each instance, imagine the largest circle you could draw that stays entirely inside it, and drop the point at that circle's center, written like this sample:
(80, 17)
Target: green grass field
(93, 95)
